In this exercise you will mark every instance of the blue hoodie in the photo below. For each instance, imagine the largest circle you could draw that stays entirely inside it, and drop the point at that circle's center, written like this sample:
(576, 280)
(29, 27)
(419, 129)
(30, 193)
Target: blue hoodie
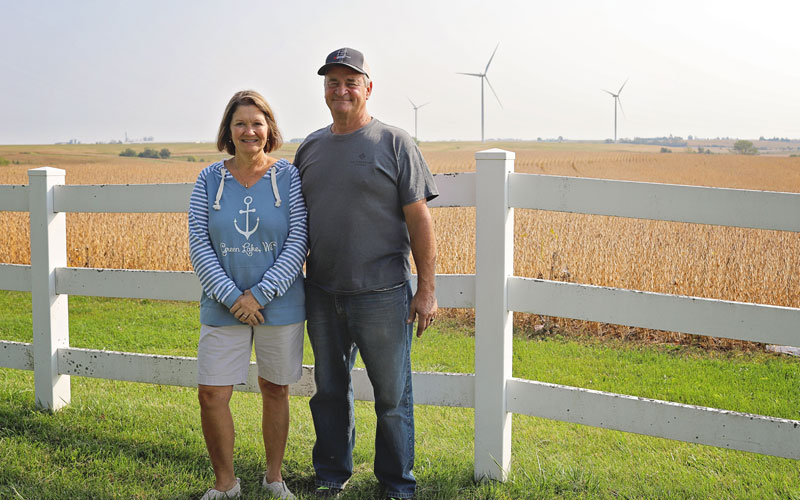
(253, 239)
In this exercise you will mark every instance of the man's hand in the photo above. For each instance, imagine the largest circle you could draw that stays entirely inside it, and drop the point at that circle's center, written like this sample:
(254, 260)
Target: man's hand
(424, 307)
(247, 309)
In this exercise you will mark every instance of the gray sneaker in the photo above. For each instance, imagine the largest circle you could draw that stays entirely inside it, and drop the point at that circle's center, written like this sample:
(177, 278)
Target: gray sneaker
(234, 492)
(277, 489)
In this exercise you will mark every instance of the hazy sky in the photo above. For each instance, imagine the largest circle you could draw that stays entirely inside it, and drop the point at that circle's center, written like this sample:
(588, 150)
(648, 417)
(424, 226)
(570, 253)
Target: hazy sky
(94, 70)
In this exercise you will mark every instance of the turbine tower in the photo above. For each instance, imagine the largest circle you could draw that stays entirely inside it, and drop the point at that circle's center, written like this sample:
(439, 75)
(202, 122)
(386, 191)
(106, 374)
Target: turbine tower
(416, 137)
(616, 101)
(483, 77)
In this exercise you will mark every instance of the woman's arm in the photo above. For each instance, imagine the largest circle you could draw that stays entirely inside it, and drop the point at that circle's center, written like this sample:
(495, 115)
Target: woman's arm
(283, 272)
(213, 278)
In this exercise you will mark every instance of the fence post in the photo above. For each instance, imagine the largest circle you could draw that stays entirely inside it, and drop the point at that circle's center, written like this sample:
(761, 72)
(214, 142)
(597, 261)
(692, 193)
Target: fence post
(50, 314)
(494, 262)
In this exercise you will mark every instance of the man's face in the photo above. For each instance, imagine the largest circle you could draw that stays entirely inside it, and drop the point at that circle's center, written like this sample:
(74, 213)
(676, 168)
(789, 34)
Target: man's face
(345, 92)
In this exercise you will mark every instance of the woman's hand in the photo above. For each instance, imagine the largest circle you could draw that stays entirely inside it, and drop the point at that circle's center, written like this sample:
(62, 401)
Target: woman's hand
(247, 309)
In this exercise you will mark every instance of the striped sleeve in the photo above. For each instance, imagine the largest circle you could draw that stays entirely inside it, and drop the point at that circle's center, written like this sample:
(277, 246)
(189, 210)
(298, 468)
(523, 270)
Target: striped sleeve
(284, 271)
(216, 284)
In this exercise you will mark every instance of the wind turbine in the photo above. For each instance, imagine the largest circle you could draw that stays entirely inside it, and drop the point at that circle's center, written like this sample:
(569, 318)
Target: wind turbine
(483, 77)
(616, 101)
(416, 137)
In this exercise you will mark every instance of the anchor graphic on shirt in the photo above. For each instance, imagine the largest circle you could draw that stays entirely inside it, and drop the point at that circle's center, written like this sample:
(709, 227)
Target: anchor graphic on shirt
(247, 232)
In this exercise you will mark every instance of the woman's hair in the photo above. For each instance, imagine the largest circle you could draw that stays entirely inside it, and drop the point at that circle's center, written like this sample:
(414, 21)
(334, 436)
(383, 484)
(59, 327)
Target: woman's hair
(248, 97)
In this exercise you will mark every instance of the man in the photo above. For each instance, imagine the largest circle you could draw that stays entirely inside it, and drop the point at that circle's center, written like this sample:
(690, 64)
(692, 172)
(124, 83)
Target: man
(366, 186)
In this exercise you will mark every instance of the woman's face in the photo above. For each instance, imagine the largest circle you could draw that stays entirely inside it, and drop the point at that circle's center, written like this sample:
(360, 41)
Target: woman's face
(249, 129)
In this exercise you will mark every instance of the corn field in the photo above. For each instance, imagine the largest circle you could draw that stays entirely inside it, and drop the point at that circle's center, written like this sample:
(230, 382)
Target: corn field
(744, 265)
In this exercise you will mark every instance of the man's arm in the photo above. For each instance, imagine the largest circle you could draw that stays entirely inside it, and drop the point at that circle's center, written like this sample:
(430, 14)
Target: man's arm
(423, 247)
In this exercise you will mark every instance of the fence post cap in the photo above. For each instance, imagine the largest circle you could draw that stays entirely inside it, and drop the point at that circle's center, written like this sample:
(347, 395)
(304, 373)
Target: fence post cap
(495, 154)
(46, 171)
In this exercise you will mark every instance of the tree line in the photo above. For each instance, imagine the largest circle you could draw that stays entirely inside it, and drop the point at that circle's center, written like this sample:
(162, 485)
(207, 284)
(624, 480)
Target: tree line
(147, 153)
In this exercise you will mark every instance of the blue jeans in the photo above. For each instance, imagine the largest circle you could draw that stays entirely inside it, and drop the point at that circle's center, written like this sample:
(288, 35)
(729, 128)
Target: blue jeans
(374, 323)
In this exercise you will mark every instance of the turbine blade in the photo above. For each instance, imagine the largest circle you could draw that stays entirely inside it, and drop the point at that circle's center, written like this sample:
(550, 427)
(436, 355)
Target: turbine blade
(608, 92)
(412, 102)
(493, 92)
(620, 106)
(470, 74)
(620, 89)
(423, 104)
(490, 59)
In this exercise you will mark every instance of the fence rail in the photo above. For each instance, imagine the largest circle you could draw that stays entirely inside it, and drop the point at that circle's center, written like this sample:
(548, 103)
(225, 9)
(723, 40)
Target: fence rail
(667, 202)
(495, 190)
(16, 277)
(14, 198)
(651, 417)
(656, 311)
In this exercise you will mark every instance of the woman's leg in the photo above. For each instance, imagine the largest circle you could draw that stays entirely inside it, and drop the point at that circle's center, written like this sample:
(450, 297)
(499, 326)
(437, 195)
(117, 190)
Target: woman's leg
(274, 425)
(217, 421)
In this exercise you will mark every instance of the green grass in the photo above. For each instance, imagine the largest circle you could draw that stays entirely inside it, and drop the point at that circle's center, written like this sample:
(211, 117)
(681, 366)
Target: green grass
(125, 440)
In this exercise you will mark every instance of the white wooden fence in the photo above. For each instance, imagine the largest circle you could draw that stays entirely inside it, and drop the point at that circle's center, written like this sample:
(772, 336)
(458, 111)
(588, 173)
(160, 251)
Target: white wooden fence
(495, 190)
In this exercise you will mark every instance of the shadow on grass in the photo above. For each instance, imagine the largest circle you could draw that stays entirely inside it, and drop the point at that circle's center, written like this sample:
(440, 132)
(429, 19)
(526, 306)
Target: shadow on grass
(78, 454)
(65, 458)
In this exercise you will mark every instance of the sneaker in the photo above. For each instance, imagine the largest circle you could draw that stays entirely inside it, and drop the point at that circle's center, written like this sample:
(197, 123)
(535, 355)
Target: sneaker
(234, 492)
(327, 492)
(277, 489)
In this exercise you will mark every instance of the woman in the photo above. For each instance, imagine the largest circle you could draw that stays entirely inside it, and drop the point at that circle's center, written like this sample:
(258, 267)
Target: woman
(248, 242)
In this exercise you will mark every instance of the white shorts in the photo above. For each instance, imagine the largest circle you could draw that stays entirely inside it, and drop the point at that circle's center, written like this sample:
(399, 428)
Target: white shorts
(223, 353)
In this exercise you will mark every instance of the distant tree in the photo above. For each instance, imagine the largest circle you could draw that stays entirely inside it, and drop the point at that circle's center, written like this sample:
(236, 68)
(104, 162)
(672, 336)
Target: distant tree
(128, 152)
(149, 153)
(666, 150)
(745, 147)
(164, 153)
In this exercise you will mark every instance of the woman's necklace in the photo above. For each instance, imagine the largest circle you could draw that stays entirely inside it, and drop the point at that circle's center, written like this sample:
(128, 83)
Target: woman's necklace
(255, 169)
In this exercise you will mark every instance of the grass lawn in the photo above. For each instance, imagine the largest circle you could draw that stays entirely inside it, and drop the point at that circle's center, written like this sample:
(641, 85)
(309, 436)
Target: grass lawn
(126, 440)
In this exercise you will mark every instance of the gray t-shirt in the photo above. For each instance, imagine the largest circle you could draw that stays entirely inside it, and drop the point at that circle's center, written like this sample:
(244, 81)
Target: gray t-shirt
(355, 186)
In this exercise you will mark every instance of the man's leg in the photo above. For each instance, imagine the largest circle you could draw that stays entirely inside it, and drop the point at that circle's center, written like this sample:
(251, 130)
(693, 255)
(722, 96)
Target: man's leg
(332, 404)
(377, 322)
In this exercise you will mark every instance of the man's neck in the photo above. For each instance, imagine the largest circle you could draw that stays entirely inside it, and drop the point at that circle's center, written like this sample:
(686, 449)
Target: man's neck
(346, 125)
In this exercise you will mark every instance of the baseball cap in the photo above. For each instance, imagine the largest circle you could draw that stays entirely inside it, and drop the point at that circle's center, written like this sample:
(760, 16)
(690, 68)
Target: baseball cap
(346, 57)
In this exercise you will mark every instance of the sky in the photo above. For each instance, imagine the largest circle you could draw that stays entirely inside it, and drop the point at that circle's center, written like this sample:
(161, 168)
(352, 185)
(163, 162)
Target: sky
(98, 70)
